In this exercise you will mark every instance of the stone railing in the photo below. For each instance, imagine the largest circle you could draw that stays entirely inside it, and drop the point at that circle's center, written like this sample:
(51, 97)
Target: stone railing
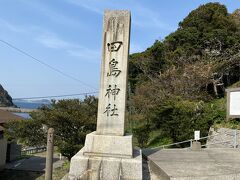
(32, 150)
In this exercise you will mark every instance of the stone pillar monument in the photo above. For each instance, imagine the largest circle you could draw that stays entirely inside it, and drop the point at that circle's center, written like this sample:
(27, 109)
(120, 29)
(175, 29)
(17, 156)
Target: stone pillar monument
(49, 156)
(108, 153)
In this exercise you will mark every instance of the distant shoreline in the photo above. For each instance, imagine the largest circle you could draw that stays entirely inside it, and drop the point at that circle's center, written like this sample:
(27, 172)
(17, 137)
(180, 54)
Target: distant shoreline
(30, 105)
(24, 106)
(17, 110)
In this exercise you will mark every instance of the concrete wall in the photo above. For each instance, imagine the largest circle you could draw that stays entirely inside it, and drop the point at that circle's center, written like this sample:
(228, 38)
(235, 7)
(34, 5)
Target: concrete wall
(3, 152)
(13, 151)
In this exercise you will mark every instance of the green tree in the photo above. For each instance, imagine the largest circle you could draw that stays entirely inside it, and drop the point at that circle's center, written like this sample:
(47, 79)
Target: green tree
(71, 119)
(178, 118)
(208, 30)
(27, 132)
(142, 134)
(146, 65)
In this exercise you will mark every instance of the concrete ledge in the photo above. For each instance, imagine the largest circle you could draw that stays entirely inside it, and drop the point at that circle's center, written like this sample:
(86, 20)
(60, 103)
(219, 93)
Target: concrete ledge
(108, 146)
(206, 164)
(158, 171)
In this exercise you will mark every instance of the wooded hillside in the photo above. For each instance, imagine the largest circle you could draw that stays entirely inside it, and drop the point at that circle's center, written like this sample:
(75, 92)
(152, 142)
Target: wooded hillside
(178, 84)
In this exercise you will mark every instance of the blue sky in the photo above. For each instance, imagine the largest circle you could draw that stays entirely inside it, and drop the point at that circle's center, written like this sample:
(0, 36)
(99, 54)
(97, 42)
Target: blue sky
(67, 35)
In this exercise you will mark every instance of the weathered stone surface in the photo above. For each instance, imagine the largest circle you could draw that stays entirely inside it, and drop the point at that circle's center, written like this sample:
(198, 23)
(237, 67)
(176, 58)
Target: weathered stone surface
(108, 153)
(223, 138)
(105, 168)
(114, 68)
(106, 145)
(49, 157)
(207, 164)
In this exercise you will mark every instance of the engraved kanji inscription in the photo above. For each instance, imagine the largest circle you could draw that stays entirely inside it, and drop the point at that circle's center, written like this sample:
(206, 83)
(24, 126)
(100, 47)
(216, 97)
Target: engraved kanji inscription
(111, 111)
(112, 91)
(113, 69)
(114, 46)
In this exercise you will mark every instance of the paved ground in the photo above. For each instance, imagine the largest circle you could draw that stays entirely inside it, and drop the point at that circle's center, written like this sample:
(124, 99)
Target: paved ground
(206, 164)
(34, 163)
(28, 168)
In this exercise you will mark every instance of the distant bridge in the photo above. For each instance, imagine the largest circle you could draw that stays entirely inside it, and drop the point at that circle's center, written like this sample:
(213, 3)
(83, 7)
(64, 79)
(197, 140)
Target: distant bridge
(17, 110)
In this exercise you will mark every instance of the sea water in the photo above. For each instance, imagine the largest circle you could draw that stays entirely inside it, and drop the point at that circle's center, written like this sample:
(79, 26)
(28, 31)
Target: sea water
(28, 105)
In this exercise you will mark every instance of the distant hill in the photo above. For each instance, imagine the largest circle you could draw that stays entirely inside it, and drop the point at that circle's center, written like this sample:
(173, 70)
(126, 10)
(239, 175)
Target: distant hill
(31, 104)
(5, 98)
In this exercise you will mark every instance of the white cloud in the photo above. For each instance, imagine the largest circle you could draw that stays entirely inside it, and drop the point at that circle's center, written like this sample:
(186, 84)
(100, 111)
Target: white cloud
(52, 14)
(88, 5)
(147, 18)
(142, 16)
(11, 27)
(51, 40)
(85, 53)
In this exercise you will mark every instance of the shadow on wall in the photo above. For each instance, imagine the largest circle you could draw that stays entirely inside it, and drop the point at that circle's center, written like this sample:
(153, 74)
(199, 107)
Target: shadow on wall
(3, 152)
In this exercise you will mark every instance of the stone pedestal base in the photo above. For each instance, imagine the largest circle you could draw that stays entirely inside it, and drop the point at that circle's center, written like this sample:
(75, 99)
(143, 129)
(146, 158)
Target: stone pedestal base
(86, 167)
(106, 157)
(108, 145)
